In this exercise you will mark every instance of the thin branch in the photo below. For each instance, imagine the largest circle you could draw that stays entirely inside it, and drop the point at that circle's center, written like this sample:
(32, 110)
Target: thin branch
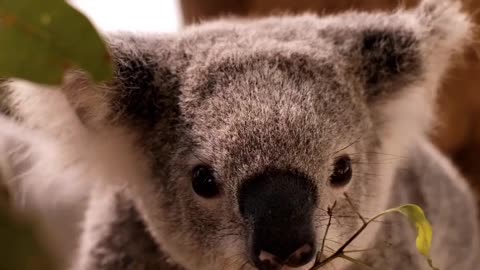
(355, 261)
(359, 250)
(366, 249)
(354, 209)
(330, 215)
(340, 251)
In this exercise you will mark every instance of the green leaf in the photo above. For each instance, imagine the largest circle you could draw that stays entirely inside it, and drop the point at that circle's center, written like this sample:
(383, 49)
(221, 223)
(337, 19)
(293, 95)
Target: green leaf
(39, 40)
(424, 230)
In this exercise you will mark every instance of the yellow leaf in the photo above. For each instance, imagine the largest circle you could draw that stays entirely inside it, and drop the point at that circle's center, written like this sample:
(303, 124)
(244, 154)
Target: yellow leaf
(424, 229)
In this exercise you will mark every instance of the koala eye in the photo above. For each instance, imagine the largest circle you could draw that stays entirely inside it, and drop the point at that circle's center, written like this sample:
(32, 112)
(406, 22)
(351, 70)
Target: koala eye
(342, 172)
(204, 183)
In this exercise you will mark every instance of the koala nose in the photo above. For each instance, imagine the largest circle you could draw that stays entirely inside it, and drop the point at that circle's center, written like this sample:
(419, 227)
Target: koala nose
(300, 257)
(278, 207)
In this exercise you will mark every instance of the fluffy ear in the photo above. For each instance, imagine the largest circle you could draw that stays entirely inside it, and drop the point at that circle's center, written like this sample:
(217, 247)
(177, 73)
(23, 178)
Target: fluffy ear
(439, 29)
(399, 59)
(146, 85)
(391, 52)
(87, 131)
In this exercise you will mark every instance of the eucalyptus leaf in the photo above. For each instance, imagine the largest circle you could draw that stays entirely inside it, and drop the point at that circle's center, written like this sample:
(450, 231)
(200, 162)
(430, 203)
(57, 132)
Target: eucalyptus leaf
(424, 229)
(40, 40)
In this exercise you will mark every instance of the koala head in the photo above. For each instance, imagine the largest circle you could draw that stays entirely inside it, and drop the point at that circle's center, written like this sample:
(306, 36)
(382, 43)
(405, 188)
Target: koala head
(249, 132)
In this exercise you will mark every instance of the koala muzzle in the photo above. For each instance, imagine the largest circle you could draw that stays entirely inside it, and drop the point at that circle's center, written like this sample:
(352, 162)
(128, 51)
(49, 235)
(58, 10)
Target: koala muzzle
(278, 206)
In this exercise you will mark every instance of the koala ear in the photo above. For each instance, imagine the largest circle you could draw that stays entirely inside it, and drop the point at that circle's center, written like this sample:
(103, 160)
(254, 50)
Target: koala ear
(145, 89)
(387, 58)
(399, 58)
(88, 131)
(392, 53)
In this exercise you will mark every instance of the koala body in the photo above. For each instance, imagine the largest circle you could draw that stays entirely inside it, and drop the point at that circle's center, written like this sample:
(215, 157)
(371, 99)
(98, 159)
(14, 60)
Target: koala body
(227, 145)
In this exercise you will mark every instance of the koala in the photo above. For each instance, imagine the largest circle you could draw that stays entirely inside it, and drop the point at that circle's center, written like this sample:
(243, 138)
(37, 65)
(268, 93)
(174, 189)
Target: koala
(248, 144)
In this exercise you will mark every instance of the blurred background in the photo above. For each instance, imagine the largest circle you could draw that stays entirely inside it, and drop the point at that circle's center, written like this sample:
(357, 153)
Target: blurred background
(132, 15)
(458, 131)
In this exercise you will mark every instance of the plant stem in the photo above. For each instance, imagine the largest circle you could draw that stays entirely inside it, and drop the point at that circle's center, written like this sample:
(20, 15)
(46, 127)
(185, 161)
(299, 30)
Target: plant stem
(355, 261)
(330, 215)
(353, 207)
(340, 251)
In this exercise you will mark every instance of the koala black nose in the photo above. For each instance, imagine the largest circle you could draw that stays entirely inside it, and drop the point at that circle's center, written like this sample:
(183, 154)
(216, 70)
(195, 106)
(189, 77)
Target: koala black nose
(278, 206)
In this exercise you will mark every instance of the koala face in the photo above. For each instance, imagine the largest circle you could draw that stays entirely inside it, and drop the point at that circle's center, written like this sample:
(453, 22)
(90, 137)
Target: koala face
(263, 162)
(254, 131)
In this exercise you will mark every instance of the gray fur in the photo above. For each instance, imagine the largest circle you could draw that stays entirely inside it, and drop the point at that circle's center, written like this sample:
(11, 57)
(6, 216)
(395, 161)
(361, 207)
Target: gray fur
(422, 180)
(290, 93)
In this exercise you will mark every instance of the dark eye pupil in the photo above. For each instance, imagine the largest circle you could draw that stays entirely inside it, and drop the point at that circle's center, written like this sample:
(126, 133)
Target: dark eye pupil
(204, 183)
(342, 172)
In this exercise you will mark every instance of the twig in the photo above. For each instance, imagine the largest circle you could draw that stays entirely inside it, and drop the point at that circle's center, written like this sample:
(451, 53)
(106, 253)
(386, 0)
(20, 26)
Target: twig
(360, 250)
(330, 215)
(354, 209)
(340, 252)
(366, 249)
(355, 261)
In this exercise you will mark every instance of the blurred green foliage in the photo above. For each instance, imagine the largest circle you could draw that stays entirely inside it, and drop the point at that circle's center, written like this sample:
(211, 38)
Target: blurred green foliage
(21, 247)
(39, 40)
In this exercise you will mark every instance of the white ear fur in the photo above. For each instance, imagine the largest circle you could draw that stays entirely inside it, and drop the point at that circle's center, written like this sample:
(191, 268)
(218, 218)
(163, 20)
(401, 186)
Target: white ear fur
(442, 30)
(52, 153)
(439, 29)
